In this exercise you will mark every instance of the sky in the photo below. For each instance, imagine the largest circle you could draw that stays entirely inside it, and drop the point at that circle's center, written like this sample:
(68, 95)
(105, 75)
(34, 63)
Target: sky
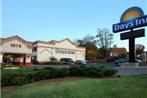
(58, 19)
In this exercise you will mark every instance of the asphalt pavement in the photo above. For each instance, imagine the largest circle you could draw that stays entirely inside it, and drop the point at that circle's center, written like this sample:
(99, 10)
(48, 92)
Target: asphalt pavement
(131, 70)
(121, 70)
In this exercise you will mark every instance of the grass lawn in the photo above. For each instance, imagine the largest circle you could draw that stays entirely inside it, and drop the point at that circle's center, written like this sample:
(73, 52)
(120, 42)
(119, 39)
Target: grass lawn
(129, 86)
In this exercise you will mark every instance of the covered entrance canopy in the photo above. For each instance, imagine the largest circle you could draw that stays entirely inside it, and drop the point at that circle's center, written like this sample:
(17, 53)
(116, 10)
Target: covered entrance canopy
(15, 50)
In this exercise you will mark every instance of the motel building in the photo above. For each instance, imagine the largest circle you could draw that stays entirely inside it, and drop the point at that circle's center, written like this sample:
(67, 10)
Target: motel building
(22, 52)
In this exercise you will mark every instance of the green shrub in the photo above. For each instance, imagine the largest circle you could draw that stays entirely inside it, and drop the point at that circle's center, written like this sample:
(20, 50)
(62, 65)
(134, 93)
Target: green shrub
(7, 77)
(64, 72)
(55, 63)
(110, 72)
(91, 71)
(95, 73)
(31, 76)
(19, 80)
(22, 76)
(77, 70)
(41, 74)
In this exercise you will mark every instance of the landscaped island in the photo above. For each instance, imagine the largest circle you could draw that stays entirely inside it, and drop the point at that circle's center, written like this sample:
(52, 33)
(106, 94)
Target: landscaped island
(25, 75)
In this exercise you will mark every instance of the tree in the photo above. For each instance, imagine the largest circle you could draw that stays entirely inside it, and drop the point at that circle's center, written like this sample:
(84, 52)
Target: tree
(139, 49)
(104, 39)
(85, 40)
(88, 42)
(114, 46)
(80, 43)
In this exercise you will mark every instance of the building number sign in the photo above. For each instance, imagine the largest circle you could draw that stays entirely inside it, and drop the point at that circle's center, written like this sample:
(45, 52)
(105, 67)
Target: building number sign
(15, 45)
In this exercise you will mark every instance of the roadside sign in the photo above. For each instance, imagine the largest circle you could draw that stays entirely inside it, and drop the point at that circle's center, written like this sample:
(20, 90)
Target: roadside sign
(132, 18)
(131, 24)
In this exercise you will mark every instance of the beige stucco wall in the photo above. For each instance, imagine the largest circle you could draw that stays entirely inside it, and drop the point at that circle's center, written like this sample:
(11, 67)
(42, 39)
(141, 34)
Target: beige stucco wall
(65, 44)
(6, 48)
(43, 45)
(81, 55)
(63, 55)
(44, 54)
(1, 57)
(28, 59)
(45, 51)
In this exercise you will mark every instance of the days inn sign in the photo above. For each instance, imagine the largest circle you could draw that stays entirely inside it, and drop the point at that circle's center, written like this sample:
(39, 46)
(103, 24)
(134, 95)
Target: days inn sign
(132, 18)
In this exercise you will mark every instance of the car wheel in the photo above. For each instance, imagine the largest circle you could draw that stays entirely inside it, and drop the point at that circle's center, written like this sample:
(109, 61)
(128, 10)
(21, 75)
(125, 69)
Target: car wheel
(119, 64)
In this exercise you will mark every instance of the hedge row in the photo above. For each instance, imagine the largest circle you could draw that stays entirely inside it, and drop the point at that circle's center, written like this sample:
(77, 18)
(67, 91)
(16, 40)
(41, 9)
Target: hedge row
(91, 71)
(23, 76)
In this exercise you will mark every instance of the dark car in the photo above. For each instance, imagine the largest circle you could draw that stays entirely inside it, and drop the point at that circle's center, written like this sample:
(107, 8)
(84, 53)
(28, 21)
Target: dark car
(67, 61)
(126, 59)
(80, 62)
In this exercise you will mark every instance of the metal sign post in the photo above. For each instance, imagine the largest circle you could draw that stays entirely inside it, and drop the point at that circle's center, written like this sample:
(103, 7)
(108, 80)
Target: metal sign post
(131, 36)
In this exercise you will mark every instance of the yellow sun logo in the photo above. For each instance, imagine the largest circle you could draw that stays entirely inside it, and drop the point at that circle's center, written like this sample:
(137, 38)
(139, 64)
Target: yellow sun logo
(131, 13)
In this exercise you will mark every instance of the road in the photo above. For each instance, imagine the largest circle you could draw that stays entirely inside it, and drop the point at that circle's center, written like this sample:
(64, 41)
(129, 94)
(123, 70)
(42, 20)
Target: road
(121, 70)
(131, 70)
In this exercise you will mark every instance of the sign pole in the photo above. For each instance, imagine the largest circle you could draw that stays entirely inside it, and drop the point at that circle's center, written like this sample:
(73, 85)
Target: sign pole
(132, 50)
(131, 35)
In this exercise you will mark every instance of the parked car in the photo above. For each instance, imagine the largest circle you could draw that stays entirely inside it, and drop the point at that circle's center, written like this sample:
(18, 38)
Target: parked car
(80, 62)
(67, 61)
(86, 61)
(139, 57)
(126, 59)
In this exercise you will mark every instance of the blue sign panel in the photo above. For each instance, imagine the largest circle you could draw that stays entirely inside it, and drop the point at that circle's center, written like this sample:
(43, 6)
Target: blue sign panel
(130, 24)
